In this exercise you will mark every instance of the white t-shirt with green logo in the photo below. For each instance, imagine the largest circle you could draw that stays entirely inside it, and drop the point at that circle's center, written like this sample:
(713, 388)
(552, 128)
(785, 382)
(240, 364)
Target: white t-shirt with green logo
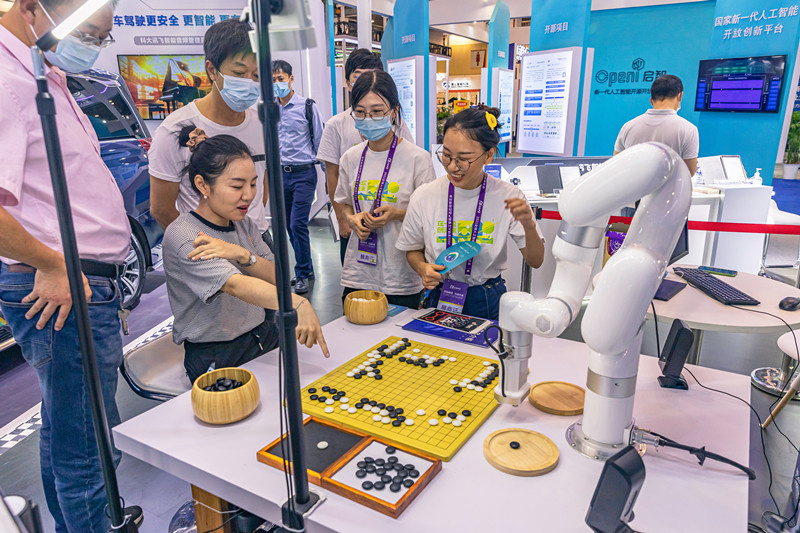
(411, 168)
(425, 226)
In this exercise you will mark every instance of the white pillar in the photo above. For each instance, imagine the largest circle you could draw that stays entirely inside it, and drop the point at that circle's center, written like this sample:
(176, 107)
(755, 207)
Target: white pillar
(364, 18)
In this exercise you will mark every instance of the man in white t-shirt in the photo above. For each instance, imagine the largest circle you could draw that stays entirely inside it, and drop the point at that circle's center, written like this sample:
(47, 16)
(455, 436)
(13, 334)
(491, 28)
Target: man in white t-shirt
(340, 134)
(228, 109)
(662, 123)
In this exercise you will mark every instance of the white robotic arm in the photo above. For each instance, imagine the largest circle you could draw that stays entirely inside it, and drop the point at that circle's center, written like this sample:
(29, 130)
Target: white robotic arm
(612, 324)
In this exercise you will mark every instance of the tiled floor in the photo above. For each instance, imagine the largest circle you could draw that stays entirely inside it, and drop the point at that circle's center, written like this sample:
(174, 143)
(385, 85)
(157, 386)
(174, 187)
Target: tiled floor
(161, 494)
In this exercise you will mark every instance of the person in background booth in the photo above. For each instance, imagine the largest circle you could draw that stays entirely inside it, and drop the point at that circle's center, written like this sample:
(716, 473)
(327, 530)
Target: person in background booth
(467, 205)
(340, 134)
(662, 123)
(299, 134)
(227, 110)
(220, 274)
(376, 181)
(34, 288)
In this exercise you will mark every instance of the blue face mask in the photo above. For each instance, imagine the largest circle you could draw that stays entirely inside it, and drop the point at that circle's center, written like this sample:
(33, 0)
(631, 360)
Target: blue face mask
(281, 89)
(71, 54)
(374, 128)
(239, 93)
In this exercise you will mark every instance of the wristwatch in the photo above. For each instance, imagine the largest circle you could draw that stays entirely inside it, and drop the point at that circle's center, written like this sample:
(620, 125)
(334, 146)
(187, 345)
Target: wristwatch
(251, 262)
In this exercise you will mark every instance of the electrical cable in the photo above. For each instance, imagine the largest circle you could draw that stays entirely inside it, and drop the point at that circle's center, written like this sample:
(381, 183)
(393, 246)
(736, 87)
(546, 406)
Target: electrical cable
(226, 522)
(702, 454)
(501, 354)
(285, 452)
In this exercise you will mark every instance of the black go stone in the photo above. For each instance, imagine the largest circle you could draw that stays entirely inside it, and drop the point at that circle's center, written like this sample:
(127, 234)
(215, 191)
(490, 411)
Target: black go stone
(514, 445)
(423, 365)
(402, 359)
(390, 407)
(367, 485)
(466, 412)
(313, 397)
(436, 363)
(380, 471)
(370, 468)
(359, 405)
(414, 473)
(403, 473)
(386, 478)
(409, 467)
(378, 363)
(391, 459)
(404, 339)
(384, 347)
(397, 479)
(441, 412)
(322, 398)
(369, 460)
(373, 403)
(380, 461)
(399, 411)
(408, 483)
(326, 388)
(396, 423)
(395, 487)
(456, 389)
(333, 391)
(378, 376)
(379, 485)
(376, 371)
(364, 400)
(342, 393)
(390, 450)
(392, 415)
(409, 362)
(357, 376)
(362, 372)
(417, 363)
(389, 356)
(312, 390)
(452, 415)
(361, 473)
(361, 464)
(475, 382)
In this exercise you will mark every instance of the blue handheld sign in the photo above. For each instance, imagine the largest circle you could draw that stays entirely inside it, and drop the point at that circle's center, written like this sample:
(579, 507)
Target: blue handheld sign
(457, 254)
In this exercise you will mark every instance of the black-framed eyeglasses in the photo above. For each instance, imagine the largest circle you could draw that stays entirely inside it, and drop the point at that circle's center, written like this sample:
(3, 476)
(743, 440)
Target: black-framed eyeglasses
(461, 164)
(371, 114)
(85, 38)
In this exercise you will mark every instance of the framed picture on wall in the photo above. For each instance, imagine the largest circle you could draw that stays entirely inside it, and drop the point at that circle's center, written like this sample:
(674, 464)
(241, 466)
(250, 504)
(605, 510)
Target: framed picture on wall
(477, 58)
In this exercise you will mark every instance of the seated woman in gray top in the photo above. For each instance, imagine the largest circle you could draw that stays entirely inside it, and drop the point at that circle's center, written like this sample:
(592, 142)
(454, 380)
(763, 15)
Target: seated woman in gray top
(220, 274)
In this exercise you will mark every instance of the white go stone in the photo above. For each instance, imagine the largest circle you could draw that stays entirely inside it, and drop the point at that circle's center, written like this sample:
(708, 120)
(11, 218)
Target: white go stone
(361, 367)
(416, 350)
(461, 418)
(409, 421)
(414, 357)
(453, 382)
(329, 401)
(370, 374)
(329, 409)
(368, 408)
(344, 400)
(386, 420)
(478, 388)
(456, 423)
(344, 407)
(350, 374)
(486, 363)
(377, 418)
(322, 445)
(384, 412)
(433, 422)
(376, 410)
(452, 359)
(421, 412)
(371, 359)
(352, 410)
(368, 368)
(447, 420)
(471, 386)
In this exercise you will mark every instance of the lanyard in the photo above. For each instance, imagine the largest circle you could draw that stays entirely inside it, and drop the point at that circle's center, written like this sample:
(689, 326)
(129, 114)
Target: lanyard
(476, 224)
(385, 175)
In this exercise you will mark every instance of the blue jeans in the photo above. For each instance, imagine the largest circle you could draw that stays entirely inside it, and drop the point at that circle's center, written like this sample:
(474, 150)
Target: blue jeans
(483, 301)
(71, 473)
(298, 195)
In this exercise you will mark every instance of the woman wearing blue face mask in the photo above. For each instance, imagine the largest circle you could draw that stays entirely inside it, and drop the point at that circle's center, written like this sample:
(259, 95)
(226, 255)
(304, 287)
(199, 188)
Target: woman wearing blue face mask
(376, 180)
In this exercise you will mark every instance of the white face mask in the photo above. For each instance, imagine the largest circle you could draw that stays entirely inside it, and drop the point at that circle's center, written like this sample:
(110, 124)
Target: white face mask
(71, 54)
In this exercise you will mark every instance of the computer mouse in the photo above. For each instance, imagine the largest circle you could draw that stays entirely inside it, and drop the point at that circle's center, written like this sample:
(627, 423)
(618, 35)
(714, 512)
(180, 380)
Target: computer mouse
(790, 303)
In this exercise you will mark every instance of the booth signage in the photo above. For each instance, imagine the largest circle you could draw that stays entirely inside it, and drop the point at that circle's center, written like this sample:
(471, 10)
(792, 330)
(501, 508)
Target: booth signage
(637, 74)
(168, 20)
(766, 28)
(556, 28)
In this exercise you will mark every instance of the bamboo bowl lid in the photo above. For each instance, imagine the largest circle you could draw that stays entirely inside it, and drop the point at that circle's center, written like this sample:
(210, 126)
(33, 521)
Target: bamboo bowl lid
(557, 398)
(366, 307)
(225, 407)
(520, 452)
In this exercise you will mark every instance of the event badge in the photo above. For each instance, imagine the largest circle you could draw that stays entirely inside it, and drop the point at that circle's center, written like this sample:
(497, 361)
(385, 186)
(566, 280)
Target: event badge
(368, 250)
(454, 294)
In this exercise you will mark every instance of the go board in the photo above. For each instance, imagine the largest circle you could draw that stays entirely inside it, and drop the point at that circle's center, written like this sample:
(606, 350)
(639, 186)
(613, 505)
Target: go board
(418, 395)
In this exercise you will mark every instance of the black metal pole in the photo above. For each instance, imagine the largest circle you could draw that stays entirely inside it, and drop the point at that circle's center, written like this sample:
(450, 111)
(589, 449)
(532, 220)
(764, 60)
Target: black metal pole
(102, 434)
(270, 115)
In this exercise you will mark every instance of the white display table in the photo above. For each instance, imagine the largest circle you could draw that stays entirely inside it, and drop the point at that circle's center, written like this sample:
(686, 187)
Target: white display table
(469, 495)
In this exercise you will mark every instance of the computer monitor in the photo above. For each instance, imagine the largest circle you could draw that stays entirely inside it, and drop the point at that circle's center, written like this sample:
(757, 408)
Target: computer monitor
(682, 248)
(549, 178)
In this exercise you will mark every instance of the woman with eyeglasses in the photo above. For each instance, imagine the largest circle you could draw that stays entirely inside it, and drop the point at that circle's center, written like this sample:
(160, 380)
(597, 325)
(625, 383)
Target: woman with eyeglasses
(376, 180)
(467, 205)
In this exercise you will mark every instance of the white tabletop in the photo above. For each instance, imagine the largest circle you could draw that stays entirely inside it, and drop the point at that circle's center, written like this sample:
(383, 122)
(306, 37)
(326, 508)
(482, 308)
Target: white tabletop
(469, 495)
(699, 311)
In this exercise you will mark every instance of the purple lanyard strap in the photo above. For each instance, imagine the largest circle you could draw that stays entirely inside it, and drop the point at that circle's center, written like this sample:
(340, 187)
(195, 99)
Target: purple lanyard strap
(476, 224)
(385, 175)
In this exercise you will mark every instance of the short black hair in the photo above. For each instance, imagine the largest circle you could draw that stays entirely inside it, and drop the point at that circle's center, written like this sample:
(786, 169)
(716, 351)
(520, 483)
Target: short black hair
(279, 65)
(665, 87)
(212, 156)
(475, 125)
(227, 38)
(361, 59)
(380, 83)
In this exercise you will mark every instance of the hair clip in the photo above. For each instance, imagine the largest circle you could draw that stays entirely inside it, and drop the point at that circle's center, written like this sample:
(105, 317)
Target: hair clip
(195, 138)
(491, 120)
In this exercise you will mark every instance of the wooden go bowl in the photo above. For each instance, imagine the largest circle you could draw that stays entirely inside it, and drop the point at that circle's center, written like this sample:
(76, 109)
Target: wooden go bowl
(366, 313)
(225, 407)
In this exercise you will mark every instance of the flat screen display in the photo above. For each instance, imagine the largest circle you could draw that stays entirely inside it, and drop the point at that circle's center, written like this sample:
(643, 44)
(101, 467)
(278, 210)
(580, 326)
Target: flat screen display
(404, 74)
(748, 84)
(161, 84)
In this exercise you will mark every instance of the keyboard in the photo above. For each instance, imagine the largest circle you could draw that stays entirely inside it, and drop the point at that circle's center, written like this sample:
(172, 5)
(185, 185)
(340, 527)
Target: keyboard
(714, 287)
